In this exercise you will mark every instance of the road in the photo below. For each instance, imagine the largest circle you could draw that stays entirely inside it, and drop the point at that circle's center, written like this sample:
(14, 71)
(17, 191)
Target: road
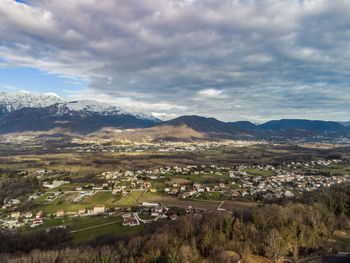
(220, 205)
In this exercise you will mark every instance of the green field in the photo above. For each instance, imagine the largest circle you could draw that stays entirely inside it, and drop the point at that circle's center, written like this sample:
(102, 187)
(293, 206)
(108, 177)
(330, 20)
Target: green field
(91, 221)
(89, 227)
(181, 203)
(132, 199)
(50, 223)
(203, 178)
(43, 197)
(77, 223)
(102, 198)
(65, 187)
(259, 172)
(113, 228)
(63, 202)
(338, 169)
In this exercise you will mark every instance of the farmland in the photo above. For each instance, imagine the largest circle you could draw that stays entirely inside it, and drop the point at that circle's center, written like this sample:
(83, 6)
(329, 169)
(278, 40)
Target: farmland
(113, 227)
(64, 202)
(172, 201)
(132, 199)
(93, 194)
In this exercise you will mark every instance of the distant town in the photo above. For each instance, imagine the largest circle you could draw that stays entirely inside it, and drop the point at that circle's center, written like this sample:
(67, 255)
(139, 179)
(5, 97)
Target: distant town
(238, 183)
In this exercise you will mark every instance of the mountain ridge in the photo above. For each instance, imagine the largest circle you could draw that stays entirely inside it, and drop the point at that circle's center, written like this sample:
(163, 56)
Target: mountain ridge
(11, 101)
(25, 112)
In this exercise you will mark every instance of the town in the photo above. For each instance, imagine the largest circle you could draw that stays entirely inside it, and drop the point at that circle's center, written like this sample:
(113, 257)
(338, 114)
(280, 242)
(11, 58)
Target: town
(125, 193)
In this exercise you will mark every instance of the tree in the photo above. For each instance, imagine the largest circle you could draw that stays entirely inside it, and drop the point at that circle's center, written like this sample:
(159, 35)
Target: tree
(274, 248)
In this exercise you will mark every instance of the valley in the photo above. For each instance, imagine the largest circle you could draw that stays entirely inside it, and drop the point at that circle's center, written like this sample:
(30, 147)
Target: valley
(121, 187)
(92, 175)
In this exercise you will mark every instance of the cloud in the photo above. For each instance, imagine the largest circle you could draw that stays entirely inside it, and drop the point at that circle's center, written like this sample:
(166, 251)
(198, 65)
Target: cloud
(211, 93)
(261, 59)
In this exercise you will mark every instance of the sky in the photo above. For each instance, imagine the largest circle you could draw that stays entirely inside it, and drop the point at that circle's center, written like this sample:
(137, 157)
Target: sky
(233, 60)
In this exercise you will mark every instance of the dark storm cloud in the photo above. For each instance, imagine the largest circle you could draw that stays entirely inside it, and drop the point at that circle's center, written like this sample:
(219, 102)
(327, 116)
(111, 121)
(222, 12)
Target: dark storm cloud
(229, 59)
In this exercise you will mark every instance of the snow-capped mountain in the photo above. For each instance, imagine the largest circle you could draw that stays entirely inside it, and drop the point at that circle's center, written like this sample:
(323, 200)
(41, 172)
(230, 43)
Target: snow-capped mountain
(17, 100)
(23, 111)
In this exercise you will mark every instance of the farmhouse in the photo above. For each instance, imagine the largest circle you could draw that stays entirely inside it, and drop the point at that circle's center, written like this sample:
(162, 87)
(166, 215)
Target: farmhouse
(39, 214)
(60, 213)
(130, 220)
(99, 209)
(158, 209)
(55, 184)
(145, 204)
(82, 211)
(15, 214)
(37, 221)
(173, 217)
(28, 214)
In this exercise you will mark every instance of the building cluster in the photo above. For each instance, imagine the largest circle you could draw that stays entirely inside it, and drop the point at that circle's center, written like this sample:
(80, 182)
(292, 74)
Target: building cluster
(267, 181)
(187, 182)
(113, 146)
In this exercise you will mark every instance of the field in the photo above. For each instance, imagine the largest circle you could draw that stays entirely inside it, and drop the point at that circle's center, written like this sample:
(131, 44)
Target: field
(172, 201)
(78, 223)
(213, 196)
(259, 172)
(85, 228)
(65, 202)
(66, 187)
(42, 198)
(82, 165)
(105, 198)
(132, 199)
(233, 205)
(175, 180)
(209, 179)
(338, 169)
(90, 230)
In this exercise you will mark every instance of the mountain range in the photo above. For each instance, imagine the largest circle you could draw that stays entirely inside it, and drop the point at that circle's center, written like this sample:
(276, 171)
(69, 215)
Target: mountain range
(22, 111)
(28, 112)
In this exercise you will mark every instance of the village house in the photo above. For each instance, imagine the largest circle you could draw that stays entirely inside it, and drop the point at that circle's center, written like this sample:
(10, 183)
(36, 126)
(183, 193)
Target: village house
(146, 184)
(71, 213)
(33, 197)
(14, 201)
(173, 217)
(37, 221)
(28, 214)
(158, 209)
(60, 213)
(82, 211)
(99, 209)
(55, 184)
(39, 214)
(5, 206)
(15, 214)
(130, 220)
(155, 214)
